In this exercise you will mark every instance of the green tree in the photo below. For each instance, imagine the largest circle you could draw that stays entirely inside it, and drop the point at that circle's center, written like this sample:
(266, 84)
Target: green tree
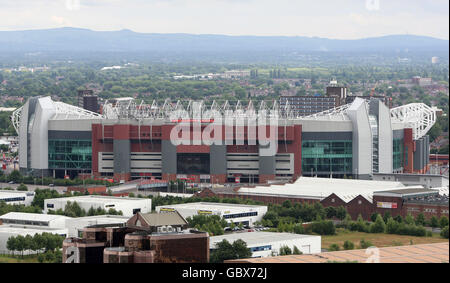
(296, 251)
(226, 251)
(285, 250)
(420, 219)
(444, 232)
(434, 222)
(379, 226)
(365, 244)
(443, 222)
(334, 248)
(22, 187)
(349, 245)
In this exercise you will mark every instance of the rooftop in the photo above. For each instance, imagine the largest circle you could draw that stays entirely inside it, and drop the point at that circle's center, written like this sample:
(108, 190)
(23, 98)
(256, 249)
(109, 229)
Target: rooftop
(32, 216)
(97, 198)
(321, 188)
(428, 253)
(25, 230)
(257, 238)
(211, 205)
(408, 192)
(162, 219)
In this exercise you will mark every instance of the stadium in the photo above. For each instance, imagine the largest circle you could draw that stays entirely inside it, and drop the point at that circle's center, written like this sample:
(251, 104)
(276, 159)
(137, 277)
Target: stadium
(130, 141)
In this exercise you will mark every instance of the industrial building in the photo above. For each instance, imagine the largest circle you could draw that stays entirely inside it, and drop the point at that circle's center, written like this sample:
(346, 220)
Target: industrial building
(128, 206)
(131, 140)
(232, 213)
(13, 230)
(16, 197)
(145, 238)
(267, 244)
(34, 219)
(359, 197)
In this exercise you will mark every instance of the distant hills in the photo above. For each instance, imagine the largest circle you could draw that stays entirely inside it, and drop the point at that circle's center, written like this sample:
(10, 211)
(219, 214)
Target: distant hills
(84, 40)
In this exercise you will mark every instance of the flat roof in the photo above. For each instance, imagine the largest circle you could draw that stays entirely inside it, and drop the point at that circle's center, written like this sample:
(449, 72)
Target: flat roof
(258, 238)
(32, 216)
(211, 206)
(321, 188)
(96, 199)
(427, 253)
(24, 230)
(102, 218)
(407, 192)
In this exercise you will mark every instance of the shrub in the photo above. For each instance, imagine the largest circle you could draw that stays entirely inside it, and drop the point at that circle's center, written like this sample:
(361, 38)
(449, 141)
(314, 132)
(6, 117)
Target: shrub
(349, 245)
(444, 232)
(334, 248)
(324, 227)
(365, 244)
(443, 222)
(379, 226)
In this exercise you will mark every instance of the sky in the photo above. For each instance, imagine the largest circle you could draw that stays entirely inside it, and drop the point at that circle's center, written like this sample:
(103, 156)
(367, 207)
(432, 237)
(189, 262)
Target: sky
(339, 19)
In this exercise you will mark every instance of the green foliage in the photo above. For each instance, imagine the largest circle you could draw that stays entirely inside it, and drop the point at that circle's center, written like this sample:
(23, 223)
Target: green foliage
(434, 222)
(226, 251)
(296, 251)
(379, 226)
(444, 232)
(443, 222)
(323, 227)
(334, 248)
(22, 187)
(420, 219)
(363, 244)
(285, 250)
(48, 243)
(349, 245)
(213, 224)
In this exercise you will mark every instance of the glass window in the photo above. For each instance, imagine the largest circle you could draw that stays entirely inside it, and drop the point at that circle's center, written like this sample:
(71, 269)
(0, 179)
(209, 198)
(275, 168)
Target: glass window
(69, 154)
(326, 157)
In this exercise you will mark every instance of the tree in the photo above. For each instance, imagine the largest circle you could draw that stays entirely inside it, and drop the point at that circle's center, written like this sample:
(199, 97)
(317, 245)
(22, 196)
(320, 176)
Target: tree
(374, 216)
(379, 226)
(392, 226)
(420, 219)
(349, 245)
(434, 222)
(386, 216)
(444, 232)
(341, 213)
(409, 219)
(285, 250)
(22, 187)
(15, 176)
(365, 244)
(226, 251)
(443, 222)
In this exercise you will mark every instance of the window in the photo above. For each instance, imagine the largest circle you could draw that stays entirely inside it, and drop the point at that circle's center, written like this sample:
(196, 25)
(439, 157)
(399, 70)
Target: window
(326, 157)
(70, 154)
(240, 215)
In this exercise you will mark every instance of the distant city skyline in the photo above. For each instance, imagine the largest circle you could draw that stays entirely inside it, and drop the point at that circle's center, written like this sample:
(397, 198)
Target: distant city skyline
(344, 19)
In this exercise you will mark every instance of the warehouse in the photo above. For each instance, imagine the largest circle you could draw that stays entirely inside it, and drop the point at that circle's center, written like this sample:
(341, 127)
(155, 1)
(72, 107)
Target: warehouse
(232, 213)
(34, 219)
(354, 195)
(131, 140)
(75, 226)
(128, 206)
(266, 244)
(7, 231)
(17, 197)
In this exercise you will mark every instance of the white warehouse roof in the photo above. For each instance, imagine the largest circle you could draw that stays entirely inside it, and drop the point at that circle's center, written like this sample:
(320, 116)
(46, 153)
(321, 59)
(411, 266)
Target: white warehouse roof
(229, 207)
(19, 216)
(320, 188)
(257, 238)
(96, 199)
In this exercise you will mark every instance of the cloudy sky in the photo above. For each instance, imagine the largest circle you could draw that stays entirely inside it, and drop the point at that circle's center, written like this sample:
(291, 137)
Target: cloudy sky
(344, 19)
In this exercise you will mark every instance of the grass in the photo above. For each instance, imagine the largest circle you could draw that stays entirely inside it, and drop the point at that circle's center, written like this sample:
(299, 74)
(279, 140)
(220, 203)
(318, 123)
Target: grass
(378, 240)
(18, 259)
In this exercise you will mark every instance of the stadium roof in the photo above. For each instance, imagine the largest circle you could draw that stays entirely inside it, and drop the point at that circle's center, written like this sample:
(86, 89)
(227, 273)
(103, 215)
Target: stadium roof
(321, 188)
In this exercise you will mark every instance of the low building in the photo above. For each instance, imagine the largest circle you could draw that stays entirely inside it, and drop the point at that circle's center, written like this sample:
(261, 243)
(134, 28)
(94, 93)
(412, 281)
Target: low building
(8, 230)
(426, 180)
(128, 206)
(411, 201)
(236, 213)
(75, 226)
(266, 244)
(91, 189)
(146, 238)
(17, 197)
(34, 219)
(356, 196)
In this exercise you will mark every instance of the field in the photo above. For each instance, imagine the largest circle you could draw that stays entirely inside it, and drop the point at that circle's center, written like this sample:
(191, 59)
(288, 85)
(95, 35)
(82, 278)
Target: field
(18, 259)
(378, 240)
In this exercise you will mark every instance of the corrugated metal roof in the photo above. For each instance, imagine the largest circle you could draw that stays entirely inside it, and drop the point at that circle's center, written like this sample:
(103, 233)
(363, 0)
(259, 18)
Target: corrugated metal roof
(321, 188)
(163, 219)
